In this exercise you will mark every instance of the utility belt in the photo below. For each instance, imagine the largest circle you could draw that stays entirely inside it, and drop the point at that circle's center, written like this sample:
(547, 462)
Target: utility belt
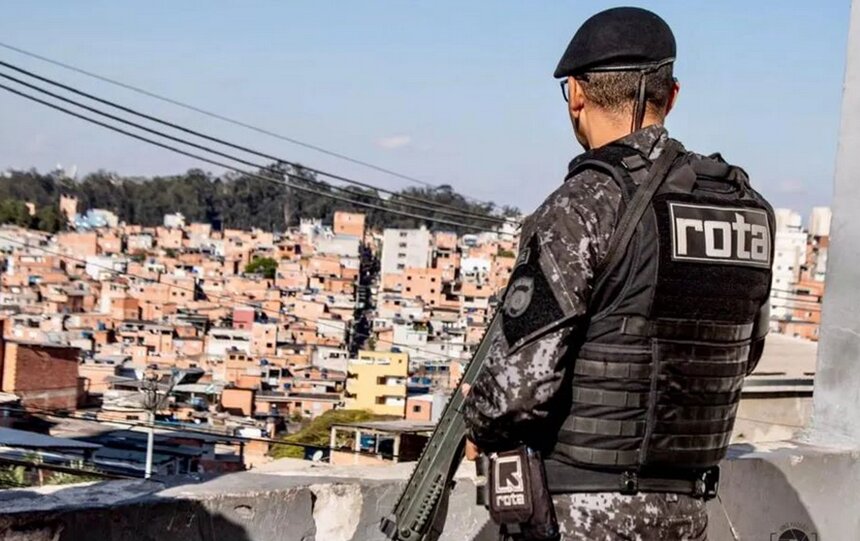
(565, 479)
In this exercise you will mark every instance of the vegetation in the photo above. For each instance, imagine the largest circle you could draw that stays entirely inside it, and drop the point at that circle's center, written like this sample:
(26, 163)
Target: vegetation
(262, 265)
(13, 477)
(235, 200)
(61, 478)
(318, 432)
(19, 477)
(14, 211)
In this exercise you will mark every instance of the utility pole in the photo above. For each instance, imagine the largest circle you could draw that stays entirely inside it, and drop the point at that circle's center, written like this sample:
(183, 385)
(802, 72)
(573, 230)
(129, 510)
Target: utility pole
(152, 402)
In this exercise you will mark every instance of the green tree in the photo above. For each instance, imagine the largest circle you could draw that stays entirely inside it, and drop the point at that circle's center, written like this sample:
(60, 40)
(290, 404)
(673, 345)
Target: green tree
(236, 200)
(262, 265)
(13, 211)
(318, 432)
(48, 219)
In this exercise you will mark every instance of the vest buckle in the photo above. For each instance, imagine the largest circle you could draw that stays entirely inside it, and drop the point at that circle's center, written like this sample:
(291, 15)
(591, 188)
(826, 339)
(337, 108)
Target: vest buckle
(708, 484)
(629, 483)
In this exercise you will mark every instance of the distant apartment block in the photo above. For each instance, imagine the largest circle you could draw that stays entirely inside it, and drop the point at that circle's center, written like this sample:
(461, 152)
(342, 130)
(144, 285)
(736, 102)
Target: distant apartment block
(405, 249)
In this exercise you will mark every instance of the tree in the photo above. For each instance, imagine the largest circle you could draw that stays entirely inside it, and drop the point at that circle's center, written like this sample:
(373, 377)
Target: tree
(262, 265)
(241, 201)
(318, 432)
(48, 219)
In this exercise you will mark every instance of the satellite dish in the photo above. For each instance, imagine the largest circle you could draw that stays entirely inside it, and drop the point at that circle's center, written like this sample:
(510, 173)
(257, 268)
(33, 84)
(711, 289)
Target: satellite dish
(317, 456)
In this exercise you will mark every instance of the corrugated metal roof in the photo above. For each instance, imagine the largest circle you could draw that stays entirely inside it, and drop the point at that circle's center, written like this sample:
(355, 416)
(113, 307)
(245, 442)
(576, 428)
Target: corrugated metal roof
(31, 440)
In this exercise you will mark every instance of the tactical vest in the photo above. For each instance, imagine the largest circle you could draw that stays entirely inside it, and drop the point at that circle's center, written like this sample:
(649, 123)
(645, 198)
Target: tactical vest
(657, 380)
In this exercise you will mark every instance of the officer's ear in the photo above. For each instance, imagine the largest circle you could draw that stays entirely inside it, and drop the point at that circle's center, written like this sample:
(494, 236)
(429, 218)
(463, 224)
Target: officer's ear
(673, 95)
(576, 103)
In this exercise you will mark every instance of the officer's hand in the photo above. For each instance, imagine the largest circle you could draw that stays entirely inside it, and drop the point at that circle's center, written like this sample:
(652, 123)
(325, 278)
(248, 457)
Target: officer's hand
(472, 450)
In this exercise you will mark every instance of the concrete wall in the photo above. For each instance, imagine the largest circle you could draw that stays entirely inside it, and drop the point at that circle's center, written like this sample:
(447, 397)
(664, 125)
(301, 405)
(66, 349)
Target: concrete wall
(764, 492)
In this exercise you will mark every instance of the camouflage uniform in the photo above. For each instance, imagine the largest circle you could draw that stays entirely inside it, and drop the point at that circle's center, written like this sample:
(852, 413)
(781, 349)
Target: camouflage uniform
(519, 395)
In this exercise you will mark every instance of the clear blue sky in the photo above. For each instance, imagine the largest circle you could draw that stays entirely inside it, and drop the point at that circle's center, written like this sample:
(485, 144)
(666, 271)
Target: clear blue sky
(451, 92)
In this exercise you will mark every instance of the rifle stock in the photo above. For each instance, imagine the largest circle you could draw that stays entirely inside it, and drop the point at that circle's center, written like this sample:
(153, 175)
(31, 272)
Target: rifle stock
(419, 514)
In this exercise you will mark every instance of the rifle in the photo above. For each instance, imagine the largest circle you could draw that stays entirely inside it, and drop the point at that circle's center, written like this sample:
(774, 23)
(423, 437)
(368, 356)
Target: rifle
(421, 510)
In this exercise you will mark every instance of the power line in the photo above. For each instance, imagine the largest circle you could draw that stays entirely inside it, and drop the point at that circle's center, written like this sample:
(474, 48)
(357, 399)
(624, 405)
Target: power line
(226, 119)
(243, 172)
(459, 212)
(180, 429)
(229, 300)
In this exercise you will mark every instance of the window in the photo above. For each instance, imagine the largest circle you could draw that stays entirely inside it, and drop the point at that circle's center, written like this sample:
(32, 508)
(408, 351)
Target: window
(401, 266)
(380, 400)
(416, 409)
(402, 245)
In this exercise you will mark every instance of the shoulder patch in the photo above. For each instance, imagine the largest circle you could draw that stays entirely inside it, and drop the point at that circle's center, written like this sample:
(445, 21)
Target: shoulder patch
(530, 303)
(519, 296)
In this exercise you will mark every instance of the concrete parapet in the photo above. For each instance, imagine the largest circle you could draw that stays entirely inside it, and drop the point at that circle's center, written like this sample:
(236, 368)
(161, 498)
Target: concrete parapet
(765, 490)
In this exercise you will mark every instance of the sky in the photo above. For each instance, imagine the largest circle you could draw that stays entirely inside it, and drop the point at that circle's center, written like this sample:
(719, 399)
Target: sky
(450, 92)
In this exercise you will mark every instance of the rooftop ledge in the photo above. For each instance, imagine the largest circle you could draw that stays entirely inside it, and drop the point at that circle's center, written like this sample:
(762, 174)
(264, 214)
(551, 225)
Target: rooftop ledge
(765, 489)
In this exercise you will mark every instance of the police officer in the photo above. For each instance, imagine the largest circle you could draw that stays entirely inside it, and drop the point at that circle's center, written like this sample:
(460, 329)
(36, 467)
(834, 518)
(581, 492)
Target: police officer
(637, 305)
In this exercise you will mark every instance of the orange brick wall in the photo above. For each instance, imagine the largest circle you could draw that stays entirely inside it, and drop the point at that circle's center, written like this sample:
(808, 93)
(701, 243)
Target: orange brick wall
(238, 399)
(44, 377)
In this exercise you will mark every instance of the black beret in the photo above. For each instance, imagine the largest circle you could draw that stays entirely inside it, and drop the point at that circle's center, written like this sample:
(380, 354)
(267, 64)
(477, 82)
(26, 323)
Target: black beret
(622, 37)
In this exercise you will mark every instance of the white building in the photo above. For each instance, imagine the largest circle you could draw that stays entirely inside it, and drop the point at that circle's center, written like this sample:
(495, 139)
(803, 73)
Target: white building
(101, 267)
(787, 220)
(475, 267)
(789, 256)
(220, 340)
(819, 222)
(405, 249)
(342, 245)
(330, 358)
(174, 220)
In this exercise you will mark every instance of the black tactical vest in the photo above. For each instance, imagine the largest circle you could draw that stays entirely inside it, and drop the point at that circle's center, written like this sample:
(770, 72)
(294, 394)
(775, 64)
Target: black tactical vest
(657, 380)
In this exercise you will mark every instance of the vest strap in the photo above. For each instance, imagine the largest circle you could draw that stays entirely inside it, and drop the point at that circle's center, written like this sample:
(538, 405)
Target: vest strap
(600, 457)
(638, 205)
(694, 413)
(604, 427)
(689, 442)
(606, 369)
(686, 329)
(600, 397)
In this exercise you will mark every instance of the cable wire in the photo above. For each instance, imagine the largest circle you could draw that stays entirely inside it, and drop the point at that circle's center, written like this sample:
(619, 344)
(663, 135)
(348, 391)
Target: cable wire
(227, 119)
(174, 429)
(247, 173)
(458, 211)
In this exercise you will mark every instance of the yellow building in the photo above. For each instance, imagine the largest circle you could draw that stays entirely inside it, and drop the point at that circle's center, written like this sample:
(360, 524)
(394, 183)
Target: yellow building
(377, 382)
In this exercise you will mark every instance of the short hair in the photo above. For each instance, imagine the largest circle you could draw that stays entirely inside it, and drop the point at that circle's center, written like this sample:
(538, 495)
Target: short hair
(616, 90)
